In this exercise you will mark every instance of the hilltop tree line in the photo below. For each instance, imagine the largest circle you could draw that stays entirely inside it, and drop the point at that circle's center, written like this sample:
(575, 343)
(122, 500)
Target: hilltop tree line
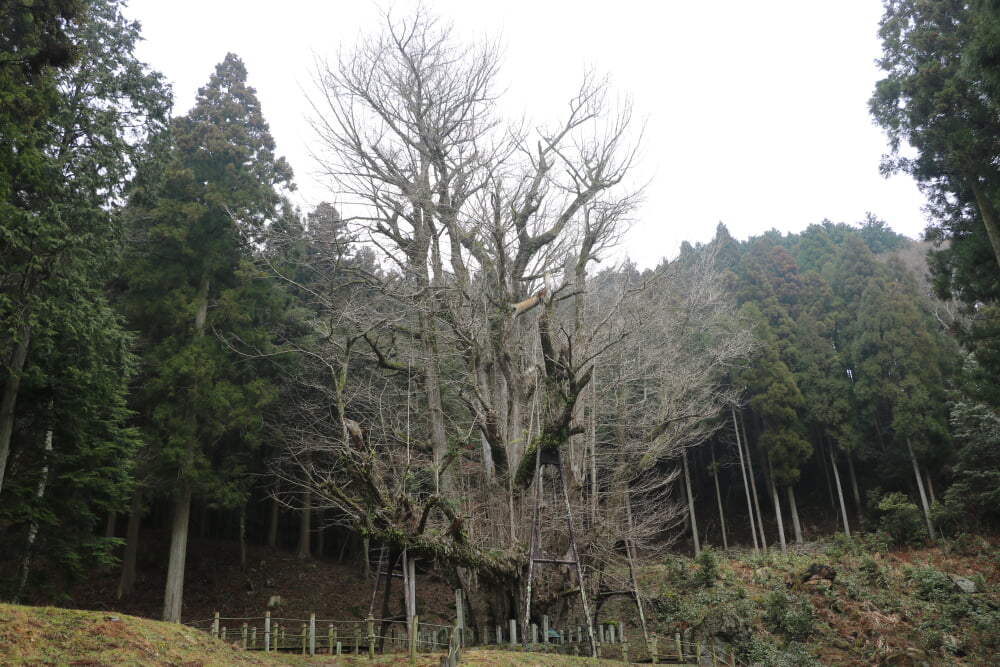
(185, 350)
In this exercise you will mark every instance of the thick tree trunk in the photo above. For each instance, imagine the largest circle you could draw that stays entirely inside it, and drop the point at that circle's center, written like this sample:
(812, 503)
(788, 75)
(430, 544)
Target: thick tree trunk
(746, 482)
(126, 582)
(840, 493)
(10, 388)
(718, 497)
(988, 215)
(174, 597)
(795, 514)
(690, 499)
(920, 487)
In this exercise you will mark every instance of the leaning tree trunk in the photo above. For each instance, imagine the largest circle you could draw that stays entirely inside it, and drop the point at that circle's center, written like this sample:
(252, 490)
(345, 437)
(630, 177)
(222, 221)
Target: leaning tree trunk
(746, 482)
(840, 492)
(690, 499)
(753, 487)
(795, 514)
(718, 497)
(920, 487)
(777, 505)
(854, 487)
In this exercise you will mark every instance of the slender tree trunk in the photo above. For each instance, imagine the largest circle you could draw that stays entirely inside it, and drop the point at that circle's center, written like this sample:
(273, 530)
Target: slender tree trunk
(930, 485)
(173, 600)
(746, 483)
(243, 537)
(795, 514)
(10, 388)
(690, 498)
(366, 565)
(272, 524)
(718, 497)
(777, 505)
(840, 493)
(593, 452)
(629, 552)
(824, 444)
(33, 528)
(126, 582)
(320, 533)
(753, 487)
(303, 550)
(920, 487)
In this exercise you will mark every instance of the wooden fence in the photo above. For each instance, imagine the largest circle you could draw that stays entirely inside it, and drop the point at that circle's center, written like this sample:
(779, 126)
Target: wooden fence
(336, 637)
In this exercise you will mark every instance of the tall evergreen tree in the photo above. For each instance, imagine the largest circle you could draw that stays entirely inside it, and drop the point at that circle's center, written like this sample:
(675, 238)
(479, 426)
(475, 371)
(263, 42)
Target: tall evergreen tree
(78, 116)
(191, 285)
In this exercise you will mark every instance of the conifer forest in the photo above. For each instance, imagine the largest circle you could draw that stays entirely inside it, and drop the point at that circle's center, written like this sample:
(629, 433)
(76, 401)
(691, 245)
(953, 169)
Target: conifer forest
(451, 357)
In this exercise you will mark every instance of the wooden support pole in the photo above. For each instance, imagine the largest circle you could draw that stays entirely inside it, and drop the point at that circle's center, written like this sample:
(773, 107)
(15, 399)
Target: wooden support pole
(215, 625)
(460, 616)
(267, 632)
(371, 637)
(312, 634)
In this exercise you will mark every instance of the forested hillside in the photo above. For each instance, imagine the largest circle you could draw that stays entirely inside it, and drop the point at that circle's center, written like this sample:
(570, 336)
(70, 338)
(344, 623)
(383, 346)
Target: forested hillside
(452, 364)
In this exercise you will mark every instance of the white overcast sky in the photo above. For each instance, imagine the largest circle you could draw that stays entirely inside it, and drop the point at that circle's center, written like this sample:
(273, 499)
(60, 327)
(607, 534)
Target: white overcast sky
(756, 112)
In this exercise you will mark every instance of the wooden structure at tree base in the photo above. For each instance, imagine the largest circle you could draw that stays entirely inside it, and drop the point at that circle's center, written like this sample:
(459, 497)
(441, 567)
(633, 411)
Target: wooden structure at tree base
(553, 457)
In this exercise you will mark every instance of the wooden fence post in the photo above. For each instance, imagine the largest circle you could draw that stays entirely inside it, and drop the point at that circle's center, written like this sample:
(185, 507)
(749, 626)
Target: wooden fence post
(331, 636)
(243, 641)
(312, 634)
(371, 636)
(303, 639)
(680, 647)
(545, 630)
(215, 625)
(267, 632)
(253, 638)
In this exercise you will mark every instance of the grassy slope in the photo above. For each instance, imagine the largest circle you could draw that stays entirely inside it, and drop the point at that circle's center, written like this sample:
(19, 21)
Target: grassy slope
(883, 602)
(54, 636)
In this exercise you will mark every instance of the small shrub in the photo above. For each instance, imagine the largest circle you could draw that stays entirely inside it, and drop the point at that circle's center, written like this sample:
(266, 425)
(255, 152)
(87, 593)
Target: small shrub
(873, 573)
(900, 519)
(790, 617)
(760, 652)
(708, 567)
